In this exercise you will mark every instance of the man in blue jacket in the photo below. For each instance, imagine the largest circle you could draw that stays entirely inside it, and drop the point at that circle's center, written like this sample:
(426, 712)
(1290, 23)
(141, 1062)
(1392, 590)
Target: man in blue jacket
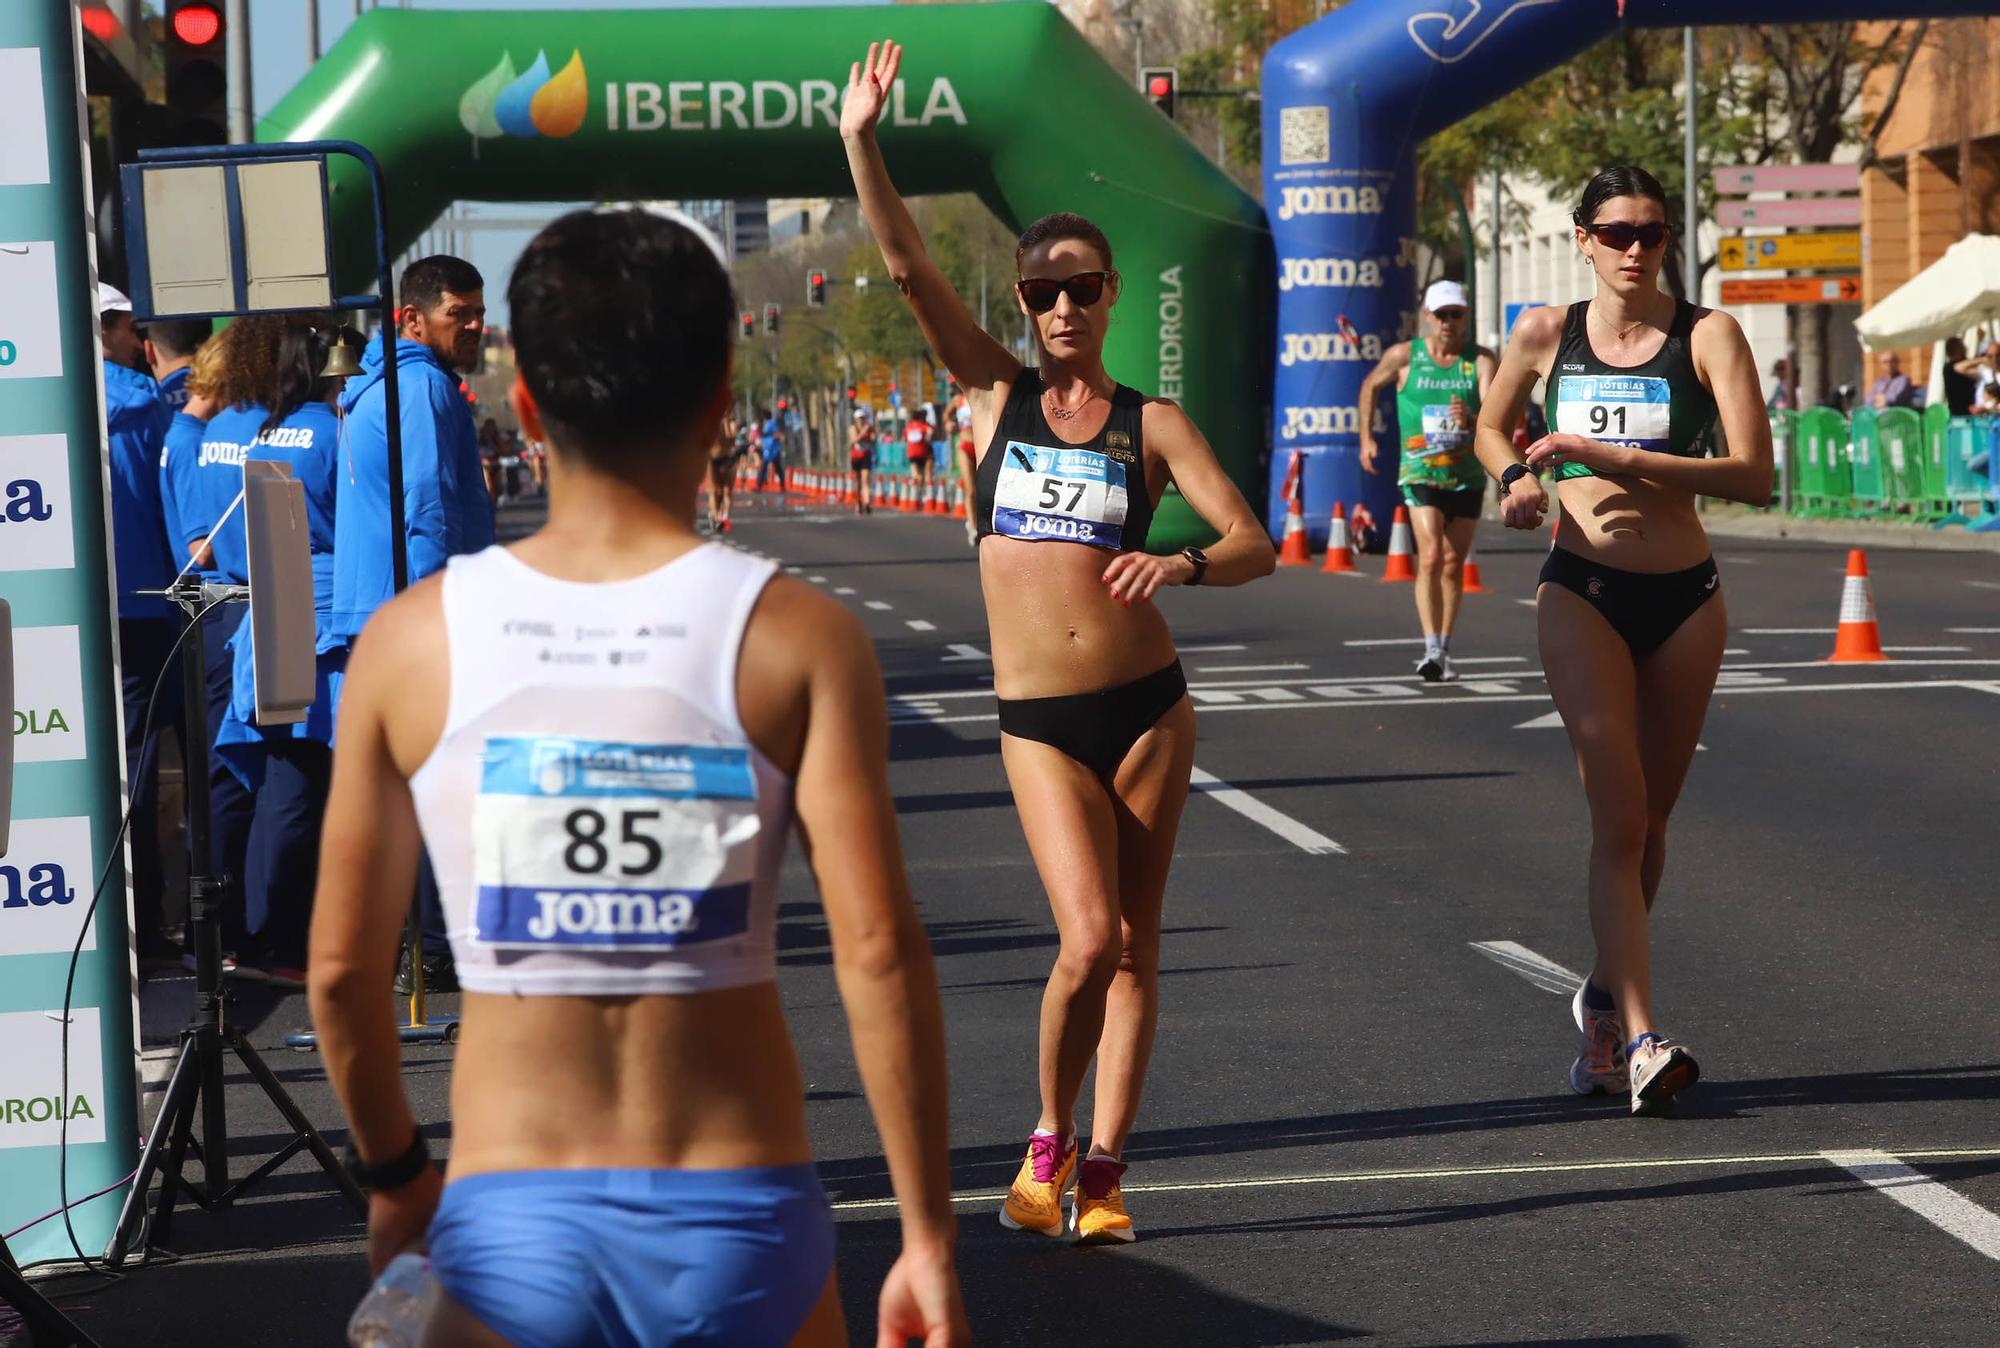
(135, 422)
(440, 319)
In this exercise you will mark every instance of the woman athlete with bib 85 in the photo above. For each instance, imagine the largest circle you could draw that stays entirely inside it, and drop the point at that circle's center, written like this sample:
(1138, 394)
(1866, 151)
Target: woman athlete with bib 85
(1630, 609)
(1097, 733)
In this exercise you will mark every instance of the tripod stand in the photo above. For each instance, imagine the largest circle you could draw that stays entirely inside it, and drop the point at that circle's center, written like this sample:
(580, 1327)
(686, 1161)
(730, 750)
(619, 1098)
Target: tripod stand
(47, 1326)
(196, 1084)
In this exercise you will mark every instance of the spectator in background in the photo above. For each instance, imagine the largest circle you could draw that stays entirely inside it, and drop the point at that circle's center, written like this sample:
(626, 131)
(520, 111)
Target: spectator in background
(170, 344)
(136, 419)
(272, 384)
(917, 447)
(1961, 377)
(489, 460)
(1894, 388)
(771, 449)
(1784, 394)
(446, 510)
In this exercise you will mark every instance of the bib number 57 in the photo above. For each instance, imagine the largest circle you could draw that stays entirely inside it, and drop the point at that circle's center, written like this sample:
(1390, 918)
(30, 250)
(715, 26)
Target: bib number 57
(1052, 490)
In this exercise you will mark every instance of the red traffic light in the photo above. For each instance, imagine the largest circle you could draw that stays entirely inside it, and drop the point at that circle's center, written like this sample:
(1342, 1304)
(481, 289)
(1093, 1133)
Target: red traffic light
(819, 278)
(1159, 86)
(197, 25)
(101, 24)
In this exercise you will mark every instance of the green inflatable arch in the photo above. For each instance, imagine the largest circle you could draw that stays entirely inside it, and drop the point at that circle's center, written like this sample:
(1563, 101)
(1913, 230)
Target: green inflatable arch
(1005, 100)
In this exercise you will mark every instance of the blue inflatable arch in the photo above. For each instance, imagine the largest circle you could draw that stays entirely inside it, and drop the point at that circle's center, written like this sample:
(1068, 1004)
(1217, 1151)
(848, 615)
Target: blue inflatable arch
(1346, 101)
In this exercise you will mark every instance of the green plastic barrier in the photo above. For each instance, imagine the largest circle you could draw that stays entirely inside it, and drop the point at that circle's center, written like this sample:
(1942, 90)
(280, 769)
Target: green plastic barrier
(1823, 432)
(1900, 439)
(1937, 475)
(1868, 479)
(1785, 453)
(1966, 491)
(609, 105)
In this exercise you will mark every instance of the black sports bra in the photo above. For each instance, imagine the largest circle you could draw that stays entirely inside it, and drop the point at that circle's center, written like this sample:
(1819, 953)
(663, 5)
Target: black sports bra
(1031, 485)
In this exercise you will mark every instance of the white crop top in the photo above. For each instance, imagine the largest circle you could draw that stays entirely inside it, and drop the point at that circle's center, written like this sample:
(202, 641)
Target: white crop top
(598, 820)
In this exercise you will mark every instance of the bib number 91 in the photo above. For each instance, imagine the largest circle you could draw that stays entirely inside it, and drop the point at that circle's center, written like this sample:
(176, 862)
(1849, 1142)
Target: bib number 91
(1606, 419)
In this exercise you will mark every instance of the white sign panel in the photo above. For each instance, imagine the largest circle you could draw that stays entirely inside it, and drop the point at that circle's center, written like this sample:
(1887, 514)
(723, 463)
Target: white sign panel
(33, 1101)
(48, 695)
(45, 883)
(30, 320)
(36, 531)
(24, 148)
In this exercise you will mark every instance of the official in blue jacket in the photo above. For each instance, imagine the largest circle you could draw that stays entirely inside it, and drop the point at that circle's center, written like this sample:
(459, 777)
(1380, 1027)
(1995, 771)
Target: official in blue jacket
(287, 767)
(446, 510)
(135, 422)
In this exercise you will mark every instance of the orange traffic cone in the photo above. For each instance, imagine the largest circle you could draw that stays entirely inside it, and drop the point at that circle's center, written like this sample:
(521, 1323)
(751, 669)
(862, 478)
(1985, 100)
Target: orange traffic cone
(1472, 582)
(958, 502)
(1293, 549)
(1400, 548)
(1339, 552)
(1858, 639)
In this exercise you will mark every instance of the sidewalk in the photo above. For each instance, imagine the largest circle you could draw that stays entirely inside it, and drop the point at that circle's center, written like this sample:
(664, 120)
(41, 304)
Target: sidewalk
(1727, 520)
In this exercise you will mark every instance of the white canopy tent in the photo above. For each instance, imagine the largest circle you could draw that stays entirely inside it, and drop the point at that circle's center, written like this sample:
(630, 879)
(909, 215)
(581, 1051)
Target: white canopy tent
(1950, 297)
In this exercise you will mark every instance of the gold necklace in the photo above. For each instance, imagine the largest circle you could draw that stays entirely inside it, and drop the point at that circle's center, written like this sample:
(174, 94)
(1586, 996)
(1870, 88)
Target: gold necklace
(1061, 413)
(1604, 323)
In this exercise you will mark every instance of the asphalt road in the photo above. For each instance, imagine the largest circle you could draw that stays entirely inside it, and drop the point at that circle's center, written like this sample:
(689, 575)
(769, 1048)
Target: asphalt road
(1357, 1123)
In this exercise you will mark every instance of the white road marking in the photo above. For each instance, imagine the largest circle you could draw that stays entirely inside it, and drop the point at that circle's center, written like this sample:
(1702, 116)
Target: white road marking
(1924, 650)
(817, 580)
(1255, 810)
(1543, 972)
(1547, 721)
(793, 570)
(843, 589)
(1529, 602)
(1734, 651)
(1787, 631)
(1459, 1172)
(879, 606)
(1208, 650)
(1490, 660)
(1245, 669)
(1973, 631)
(918, 624)
(1386, 641)
(1984, 584)
(1949, 1211)
(961, 651)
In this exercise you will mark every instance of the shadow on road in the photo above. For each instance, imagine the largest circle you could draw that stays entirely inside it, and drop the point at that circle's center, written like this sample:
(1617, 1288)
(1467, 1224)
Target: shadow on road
(1020, 1289)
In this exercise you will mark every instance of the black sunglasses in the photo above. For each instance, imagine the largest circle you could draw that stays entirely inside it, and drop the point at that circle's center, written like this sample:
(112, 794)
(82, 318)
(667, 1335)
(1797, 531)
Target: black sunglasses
(1619, 235)
(1085, 288)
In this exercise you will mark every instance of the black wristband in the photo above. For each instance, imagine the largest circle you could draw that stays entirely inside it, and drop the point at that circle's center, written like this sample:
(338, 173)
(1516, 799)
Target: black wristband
(1513, 473)
(392, 1174)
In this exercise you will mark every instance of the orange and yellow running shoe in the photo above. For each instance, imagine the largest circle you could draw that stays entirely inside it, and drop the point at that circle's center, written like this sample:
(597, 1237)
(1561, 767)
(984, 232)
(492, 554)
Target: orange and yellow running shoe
(1035, 1201)
(1097, 1214)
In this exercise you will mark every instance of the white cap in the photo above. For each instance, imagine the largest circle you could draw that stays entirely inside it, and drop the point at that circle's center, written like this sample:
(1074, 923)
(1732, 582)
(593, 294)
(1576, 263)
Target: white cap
(861, 414)
(1444, 295)
(112, 300)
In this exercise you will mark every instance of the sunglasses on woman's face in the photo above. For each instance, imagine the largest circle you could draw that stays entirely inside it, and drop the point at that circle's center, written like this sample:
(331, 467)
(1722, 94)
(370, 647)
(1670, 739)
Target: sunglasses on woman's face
(1618, 235)
(1085, 288)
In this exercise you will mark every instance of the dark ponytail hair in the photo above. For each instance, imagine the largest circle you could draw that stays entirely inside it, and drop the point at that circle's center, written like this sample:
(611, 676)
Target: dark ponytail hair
(1063, 225)
(1621, 180)
(299, 353)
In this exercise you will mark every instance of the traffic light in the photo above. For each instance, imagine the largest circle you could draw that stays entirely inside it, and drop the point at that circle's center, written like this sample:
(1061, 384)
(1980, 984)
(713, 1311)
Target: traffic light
(197, 85)
(853, 392)
(749, 324)
(771, 320)
(1161, 84)
(816, 290)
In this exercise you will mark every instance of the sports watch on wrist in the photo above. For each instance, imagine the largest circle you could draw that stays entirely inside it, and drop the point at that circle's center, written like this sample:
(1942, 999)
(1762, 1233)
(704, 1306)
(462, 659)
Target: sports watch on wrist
(1199, 561)
(1514, 473)
(391, 1174)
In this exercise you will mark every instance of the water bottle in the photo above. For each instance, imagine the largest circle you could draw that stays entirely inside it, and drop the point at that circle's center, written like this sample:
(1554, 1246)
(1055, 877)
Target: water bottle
(393, 1313)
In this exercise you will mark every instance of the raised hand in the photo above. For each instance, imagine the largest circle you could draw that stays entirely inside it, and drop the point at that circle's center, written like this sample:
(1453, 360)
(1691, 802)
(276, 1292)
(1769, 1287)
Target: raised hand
(868, 86)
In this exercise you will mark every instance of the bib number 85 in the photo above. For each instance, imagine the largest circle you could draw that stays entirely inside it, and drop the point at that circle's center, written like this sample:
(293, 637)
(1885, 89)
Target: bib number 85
(1052, 490)
(589, 854)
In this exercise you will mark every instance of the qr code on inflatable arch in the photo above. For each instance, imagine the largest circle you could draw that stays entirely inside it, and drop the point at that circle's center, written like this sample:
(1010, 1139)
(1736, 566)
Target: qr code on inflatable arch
(1302, 136)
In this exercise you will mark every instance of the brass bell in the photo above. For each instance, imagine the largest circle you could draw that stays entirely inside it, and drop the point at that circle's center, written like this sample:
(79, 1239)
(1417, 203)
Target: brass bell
(343, 357)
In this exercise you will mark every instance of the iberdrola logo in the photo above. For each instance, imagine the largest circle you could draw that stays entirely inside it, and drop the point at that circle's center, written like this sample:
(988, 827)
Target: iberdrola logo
(506, 102)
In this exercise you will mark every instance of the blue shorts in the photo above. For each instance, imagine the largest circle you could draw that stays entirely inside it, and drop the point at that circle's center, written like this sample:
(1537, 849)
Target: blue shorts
(635, 1258)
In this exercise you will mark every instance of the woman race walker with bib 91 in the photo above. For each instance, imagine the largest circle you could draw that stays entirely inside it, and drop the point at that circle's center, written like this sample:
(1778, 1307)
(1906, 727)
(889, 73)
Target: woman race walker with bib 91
(606, 732)
(1439, 384)
(1097, 732)
(1630, 609)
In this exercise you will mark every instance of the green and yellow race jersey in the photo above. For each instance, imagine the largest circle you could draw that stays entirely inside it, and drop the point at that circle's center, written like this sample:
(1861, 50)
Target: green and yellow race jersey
(1437, 450)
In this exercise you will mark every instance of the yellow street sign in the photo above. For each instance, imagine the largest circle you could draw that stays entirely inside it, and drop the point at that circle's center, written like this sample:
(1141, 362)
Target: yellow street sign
(1789, 252)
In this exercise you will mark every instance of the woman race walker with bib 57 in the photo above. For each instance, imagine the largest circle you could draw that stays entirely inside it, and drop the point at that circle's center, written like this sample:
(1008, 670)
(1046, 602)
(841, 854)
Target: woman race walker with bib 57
(1097, 732)
(1629, 609)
